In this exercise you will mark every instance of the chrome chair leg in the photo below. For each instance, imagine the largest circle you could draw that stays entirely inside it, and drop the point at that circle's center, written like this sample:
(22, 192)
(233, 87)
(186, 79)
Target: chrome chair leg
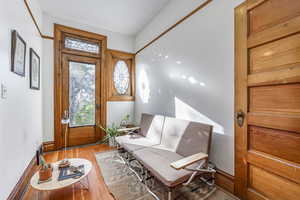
(170, 194)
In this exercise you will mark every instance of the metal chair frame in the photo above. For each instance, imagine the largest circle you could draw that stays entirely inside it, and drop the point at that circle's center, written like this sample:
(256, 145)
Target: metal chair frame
(145, 175)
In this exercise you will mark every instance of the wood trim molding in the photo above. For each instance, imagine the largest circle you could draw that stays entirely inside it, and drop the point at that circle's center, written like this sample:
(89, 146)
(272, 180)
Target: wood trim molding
(145, 46)
(240, 102)
(49, 146)
(21, 187)
(35, 23)
(254, 3)
(225, 181)
(174, 25)
(111, 57)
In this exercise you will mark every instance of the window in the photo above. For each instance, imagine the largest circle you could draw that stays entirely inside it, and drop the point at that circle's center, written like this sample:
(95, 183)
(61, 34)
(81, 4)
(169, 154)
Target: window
(81, 45)
(81, 94)
(121, 76)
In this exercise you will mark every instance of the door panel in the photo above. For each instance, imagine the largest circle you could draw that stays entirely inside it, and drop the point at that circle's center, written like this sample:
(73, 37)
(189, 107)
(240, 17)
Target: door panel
(276, 98)
(288, 122)
(287, 169)
(81, 98)
(261, 18)
(284, 53)
(268, 92)
(272, 186)
(278, 143)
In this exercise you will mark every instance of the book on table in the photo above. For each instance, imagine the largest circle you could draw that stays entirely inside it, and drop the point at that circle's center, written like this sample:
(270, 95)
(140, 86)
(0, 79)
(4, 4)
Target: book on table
(70, 172)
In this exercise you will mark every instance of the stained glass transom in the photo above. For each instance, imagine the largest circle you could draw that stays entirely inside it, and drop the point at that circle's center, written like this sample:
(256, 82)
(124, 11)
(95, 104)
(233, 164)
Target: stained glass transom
(121, 77)
(81, 45)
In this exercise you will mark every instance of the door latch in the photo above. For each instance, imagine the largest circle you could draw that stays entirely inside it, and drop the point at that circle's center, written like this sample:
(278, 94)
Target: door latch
(240, 118)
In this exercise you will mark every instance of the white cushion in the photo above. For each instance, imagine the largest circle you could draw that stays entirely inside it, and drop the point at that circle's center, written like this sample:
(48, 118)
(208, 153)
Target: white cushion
(152, 126)
(172, 133)
(134, 142)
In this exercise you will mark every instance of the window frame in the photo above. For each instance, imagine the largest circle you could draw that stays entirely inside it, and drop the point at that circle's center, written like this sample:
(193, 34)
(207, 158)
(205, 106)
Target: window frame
(79, 52)
(113, 57)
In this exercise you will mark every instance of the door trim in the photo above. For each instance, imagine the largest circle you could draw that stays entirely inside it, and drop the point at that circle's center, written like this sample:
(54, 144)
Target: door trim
(59, 31)
(241, 100)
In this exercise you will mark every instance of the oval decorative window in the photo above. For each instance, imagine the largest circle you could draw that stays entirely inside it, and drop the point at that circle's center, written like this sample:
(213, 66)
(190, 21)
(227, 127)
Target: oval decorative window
(121, 77)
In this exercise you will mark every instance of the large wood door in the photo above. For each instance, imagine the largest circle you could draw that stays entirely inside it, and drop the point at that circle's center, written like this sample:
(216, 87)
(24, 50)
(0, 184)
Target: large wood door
(81, 93)
(268, 97)
(80, 86)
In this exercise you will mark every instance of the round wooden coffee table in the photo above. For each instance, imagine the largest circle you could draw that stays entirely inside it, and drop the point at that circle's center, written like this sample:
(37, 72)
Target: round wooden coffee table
(54, 184)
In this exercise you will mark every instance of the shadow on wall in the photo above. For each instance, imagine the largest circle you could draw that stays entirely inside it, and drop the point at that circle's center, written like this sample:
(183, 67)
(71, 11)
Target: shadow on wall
(184, 111)
(163, 96)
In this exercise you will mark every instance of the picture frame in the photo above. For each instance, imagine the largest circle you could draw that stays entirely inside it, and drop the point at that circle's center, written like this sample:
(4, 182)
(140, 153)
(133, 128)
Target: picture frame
(18, 54)
(34, 70)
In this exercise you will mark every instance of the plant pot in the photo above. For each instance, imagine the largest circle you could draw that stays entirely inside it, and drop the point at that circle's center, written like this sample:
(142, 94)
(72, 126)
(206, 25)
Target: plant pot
(112, 142)
(45, 174)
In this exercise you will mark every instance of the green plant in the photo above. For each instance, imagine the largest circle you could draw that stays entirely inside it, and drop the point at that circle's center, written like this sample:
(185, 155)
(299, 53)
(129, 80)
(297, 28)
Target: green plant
(125, 120)
(43, 163)
(111, 132)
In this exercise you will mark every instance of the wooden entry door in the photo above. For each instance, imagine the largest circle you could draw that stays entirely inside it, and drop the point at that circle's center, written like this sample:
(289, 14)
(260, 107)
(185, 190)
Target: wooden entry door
(267, 128)
(81, 98)
(79, 85)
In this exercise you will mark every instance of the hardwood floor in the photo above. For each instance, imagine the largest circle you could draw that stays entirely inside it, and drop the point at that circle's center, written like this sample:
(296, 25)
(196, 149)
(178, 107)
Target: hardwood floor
(97, 188)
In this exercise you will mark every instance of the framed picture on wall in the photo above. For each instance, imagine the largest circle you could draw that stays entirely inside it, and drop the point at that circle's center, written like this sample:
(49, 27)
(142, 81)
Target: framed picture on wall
(18, 54)
(34, 70)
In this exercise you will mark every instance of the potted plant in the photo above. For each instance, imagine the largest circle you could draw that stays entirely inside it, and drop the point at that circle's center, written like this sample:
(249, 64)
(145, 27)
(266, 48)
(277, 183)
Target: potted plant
(124, 121)
(45, 173)
(111, 133)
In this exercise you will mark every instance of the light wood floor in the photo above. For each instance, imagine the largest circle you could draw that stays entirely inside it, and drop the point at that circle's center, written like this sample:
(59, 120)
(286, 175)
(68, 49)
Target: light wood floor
(97, 188)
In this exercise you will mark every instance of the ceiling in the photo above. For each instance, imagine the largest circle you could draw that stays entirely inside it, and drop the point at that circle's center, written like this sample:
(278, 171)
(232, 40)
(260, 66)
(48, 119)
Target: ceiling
(122, 16)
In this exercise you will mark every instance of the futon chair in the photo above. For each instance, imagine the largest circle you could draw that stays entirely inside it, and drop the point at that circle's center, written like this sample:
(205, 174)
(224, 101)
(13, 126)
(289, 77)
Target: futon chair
(178, 151)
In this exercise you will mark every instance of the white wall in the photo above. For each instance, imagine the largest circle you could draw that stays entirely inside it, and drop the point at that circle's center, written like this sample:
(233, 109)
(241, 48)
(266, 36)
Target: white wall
(169, 15)
(21, 111)
(115, 41)
(189, 73)
(117, 111)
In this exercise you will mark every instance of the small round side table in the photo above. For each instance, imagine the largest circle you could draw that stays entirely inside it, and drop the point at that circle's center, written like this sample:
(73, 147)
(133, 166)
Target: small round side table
(54, 184)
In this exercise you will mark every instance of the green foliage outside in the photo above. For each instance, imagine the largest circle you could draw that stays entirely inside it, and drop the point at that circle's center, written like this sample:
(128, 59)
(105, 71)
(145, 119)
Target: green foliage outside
(86, 115)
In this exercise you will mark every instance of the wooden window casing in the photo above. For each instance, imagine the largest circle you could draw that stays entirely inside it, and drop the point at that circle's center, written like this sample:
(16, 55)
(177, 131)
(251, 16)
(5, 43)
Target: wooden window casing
(79, 52)
(113, 57)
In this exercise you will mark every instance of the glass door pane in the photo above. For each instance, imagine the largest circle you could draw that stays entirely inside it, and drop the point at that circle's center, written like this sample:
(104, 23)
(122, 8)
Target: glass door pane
(82, 94)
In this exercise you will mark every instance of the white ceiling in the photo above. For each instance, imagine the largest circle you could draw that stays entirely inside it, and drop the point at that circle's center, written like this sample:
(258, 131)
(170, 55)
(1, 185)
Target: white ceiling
(122, 16)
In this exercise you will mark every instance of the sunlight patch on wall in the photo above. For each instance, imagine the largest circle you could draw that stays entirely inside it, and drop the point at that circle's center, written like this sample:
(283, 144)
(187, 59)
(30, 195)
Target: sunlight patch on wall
(144, 87)
(189, 79)
(186, 112)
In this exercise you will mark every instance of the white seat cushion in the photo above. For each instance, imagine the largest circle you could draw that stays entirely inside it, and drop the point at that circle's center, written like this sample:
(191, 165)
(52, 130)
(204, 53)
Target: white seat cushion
(134, 142)
(152, 126)
(158, 162)
(172, 133)
(149, 135)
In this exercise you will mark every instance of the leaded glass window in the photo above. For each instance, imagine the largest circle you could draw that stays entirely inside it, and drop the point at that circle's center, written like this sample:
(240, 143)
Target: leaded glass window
(81, 45)
(121, 77)
(82, 82)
